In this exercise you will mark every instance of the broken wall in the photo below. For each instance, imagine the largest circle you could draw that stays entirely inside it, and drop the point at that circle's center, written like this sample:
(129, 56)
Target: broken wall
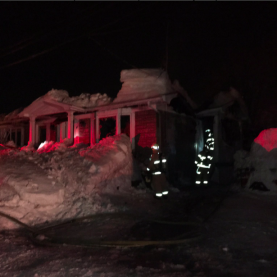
(146, 127)
(177, 143)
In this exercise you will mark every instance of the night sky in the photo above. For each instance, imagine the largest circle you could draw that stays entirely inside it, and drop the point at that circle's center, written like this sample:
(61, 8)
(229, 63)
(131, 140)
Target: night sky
(83, 46)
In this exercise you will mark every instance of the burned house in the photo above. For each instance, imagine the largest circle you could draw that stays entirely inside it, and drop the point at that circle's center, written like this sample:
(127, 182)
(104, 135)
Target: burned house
(141, 110)
(149, 109)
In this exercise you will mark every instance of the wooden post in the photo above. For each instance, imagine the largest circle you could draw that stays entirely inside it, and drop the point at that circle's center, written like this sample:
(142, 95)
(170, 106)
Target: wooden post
(62, 131)
(97, 128)
(92, 132)
(37, 134)
(32, 130)
(70, 125)
(118, 122)
(133, 128)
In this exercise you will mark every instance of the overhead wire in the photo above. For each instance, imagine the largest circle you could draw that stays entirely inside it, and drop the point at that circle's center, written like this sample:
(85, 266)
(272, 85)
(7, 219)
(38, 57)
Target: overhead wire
(40, 53)
(57, 46)
(29, 41)
(56, 31)
(90, 33)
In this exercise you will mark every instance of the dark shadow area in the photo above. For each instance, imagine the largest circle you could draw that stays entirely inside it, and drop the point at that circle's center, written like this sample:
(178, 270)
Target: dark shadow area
(107, 127)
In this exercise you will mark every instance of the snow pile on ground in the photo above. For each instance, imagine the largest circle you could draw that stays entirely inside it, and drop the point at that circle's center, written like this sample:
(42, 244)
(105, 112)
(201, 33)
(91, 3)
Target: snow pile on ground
(142, 84)
(49, 146)
(267, 139)
(85, 100)
(29, 147)
(57, 183)
(263, 159)
(10, 144)
(111, 163)
(2, 147)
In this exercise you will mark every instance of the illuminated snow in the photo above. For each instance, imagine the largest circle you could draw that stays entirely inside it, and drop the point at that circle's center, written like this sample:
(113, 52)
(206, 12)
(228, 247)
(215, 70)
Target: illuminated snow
(262, 158)
(267, 139)
(58, 182)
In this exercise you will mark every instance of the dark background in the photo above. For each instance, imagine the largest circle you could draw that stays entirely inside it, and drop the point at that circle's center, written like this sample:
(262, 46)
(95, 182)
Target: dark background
(83, 46)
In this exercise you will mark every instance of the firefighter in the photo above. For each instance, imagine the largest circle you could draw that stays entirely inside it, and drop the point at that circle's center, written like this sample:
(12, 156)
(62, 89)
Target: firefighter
(209, 143)
(203, 163)
(157, 170)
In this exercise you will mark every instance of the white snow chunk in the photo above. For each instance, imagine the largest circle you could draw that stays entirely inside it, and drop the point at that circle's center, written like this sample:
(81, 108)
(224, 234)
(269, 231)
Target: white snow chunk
(84, 100)
(141, 84)
(263, 158)
(267, 139)
(83, 180)
(11, 144)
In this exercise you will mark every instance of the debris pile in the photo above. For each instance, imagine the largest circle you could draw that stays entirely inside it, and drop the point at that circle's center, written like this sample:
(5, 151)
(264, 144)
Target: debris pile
(85, 100)
(57, 183)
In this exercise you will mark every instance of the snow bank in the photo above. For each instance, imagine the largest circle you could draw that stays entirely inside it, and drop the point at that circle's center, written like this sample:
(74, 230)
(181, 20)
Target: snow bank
(84, 100)
(11, 144)
(263, 159)
(111, 164)
(143, 84)
(58, 182)
(267, 139)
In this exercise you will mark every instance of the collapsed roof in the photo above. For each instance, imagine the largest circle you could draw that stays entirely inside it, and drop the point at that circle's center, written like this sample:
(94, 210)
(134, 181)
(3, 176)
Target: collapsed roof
(223, 101)
(85, 100)
(138, 86)
(141, 84)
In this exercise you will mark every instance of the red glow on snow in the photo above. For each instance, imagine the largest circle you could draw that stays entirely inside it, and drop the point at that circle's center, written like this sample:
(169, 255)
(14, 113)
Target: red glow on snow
(267, 139)
(42, 144)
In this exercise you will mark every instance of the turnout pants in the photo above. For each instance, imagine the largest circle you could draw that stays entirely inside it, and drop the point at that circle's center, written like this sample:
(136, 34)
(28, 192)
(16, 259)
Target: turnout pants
(202, 178)
(159, 185)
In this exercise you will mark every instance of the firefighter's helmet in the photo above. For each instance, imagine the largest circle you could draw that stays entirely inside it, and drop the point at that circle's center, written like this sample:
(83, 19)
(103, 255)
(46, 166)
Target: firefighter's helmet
(155, 146)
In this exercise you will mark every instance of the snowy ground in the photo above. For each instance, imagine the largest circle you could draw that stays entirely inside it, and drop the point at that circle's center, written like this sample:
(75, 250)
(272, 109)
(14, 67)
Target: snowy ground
(239, 227)
(240, 239)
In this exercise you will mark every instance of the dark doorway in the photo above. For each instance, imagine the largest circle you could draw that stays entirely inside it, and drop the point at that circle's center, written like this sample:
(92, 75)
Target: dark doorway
(42, 134)
(18, 138)
(107, 127)
(53, 133)
(125, 125)
(13, 136)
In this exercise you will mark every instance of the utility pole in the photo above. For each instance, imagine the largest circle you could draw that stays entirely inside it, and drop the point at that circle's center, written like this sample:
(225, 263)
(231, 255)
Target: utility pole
(166, 48)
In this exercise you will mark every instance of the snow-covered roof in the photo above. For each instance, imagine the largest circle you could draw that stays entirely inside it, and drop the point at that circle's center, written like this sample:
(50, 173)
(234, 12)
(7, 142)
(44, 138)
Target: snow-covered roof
(140, 86)
(84, 100)
(58, 101)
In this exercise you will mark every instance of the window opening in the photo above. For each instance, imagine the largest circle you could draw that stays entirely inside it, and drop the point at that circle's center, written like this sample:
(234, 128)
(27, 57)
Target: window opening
(107, 127)
(125, 125)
